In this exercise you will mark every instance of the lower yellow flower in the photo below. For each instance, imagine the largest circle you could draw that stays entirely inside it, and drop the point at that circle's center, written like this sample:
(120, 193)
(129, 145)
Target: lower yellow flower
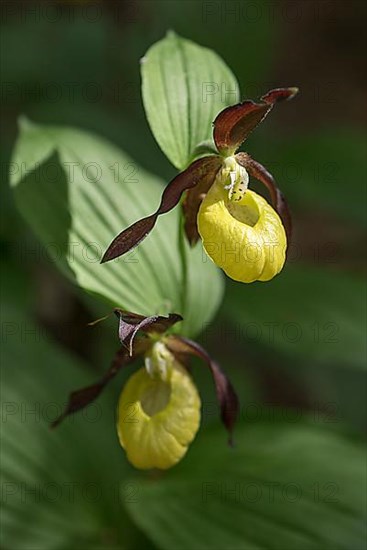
(246, 238)
(158, 412)
(159, 407)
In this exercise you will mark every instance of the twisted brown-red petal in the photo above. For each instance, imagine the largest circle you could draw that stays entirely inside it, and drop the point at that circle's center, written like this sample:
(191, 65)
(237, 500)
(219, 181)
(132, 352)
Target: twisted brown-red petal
(132, 347)
(133, 235)
(193, 199)
(80, 399)
(132, 323)
(226, 395)
(234, 124)
(278, 200)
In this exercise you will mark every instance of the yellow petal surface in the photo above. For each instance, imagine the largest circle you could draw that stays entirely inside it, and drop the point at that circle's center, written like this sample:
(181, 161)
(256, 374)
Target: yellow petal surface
(245, 238)
(157, 420)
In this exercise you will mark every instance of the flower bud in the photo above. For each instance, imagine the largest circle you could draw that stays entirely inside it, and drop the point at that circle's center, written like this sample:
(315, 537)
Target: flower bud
(158, 412)
(245, 238)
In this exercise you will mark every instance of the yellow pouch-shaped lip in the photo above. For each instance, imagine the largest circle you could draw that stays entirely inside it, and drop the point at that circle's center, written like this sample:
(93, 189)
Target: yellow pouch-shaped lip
(157, 419)
(245, 238)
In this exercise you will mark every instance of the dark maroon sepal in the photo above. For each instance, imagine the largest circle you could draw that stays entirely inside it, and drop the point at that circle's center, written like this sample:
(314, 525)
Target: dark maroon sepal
(226, 395)
(233, 125)
(132, 323)
(258, 171)
(79, 399)
(133, 235)
(132, 347)
(194, 198)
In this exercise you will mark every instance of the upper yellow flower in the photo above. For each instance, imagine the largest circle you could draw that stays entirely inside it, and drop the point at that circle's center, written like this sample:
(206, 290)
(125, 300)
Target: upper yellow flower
(241, 232)
(158, 412)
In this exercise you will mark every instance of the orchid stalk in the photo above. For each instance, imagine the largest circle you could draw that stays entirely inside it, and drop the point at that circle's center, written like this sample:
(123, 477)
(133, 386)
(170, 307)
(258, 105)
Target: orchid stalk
(159, 409)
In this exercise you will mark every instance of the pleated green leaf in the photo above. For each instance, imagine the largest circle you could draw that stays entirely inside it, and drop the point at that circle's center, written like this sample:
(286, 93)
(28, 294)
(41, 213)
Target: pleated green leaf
(60, 488)
(279, 488)
(77, 192)
(327, 330)
(184, 87)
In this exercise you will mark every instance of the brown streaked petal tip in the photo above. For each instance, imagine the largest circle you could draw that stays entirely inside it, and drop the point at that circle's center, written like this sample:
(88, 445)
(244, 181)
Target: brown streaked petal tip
(133, 235)
(129, 239)
(280, 94)
(226, 395)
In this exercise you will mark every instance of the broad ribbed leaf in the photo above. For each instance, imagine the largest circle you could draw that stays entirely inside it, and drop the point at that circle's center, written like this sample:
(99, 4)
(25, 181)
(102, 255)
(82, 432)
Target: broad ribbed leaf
(281, 487)
(311, 315)
(185, 86)
(77, 192)
(60, 488)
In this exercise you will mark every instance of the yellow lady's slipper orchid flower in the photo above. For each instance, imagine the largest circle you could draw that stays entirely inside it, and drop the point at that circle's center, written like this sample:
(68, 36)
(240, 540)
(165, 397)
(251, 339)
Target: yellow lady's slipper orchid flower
(158, 412)
(243, 235)
(241, 232)
(159, 408)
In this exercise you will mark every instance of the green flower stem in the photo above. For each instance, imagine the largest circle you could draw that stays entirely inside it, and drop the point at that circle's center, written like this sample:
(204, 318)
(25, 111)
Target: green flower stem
(182, 248)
